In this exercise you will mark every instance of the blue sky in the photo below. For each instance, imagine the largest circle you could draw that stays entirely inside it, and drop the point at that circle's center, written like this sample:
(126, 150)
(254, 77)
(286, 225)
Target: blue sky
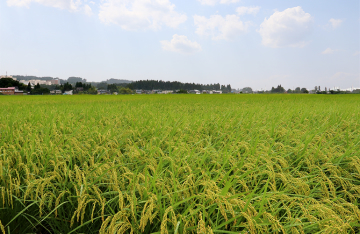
(239, 42)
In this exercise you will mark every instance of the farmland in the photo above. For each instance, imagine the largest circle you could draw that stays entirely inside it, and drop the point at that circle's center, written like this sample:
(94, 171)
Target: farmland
(180, 164)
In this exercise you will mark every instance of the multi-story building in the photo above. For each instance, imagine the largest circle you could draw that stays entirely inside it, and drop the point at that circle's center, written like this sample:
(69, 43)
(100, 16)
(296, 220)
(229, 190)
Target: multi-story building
(42, 82)
(55, 82)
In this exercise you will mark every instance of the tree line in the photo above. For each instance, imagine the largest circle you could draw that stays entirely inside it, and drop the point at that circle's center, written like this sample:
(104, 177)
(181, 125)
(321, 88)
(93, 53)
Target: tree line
(175, 85)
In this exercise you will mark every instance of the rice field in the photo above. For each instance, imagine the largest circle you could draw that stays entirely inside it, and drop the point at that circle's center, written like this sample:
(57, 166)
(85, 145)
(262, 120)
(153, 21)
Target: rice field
(180, 164)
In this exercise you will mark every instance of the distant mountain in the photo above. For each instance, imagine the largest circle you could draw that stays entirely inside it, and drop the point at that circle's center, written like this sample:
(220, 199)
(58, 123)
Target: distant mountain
(117, 81)
(73, 79)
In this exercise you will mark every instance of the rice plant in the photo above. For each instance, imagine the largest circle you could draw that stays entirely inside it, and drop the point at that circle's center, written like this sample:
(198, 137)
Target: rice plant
(180, 164)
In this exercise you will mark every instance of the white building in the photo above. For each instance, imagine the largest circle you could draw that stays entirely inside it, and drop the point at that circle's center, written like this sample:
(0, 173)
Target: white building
(195, 91)
(166, 91)
(55, 91)
(41, 82)
(68, 92)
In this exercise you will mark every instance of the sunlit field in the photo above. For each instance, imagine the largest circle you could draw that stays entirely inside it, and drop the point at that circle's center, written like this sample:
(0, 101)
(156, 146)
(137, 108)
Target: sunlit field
(180, 164)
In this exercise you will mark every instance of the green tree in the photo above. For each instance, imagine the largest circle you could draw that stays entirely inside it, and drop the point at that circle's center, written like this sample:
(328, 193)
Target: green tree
(9, 82)
(304, 90)
(28, 88)
(66, 87)
(124, 90)
(228, 88)
(112, 88)
(247, 90)
(40, 91)
(92, 90)
(278, 89)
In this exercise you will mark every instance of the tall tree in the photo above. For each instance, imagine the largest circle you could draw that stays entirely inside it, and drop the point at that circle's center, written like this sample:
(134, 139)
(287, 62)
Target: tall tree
(28, 88)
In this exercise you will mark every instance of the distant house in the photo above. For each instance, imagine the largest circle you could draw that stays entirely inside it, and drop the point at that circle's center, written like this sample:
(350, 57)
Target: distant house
(11, 91)
(70, 92)
(166, 91)
(207, 92)
(8, 91)
(138, 91)
(55, 92)
(217, 91)
(195, 91)
(103, 91)
(18, 92)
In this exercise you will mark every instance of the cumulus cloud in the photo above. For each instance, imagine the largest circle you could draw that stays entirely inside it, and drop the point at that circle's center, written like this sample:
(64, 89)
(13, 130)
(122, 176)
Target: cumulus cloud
(181, 44)
(219, 27)
(248, 10)
(72, 5)
(213, 2)
(286, 28)
(335, 23)
(140, 14)
(328, 51)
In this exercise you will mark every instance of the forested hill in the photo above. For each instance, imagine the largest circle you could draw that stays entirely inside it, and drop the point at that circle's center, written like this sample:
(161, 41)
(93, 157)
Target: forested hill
(175, 85)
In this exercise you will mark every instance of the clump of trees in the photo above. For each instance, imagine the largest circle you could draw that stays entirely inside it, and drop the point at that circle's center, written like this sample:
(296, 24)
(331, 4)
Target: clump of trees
(182, 91)
(298, 90)
(9, 82)
(66, 87)
(38, 90)
(278, 89)
(124, 90)
(113, 88)
(176, 85)
(247, 90)
(84, 88)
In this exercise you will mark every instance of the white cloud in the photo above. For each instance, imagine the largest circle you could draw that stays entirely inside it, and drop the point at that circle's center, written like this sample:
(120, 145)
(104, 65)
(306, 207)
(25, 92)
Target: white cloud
(335, 23)
(72, 5)
(219, 27)
(328, 51)
(248, 10)
(181, 44)
(287, 28)
(140, 14)
(88, 10)
(213, 2)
